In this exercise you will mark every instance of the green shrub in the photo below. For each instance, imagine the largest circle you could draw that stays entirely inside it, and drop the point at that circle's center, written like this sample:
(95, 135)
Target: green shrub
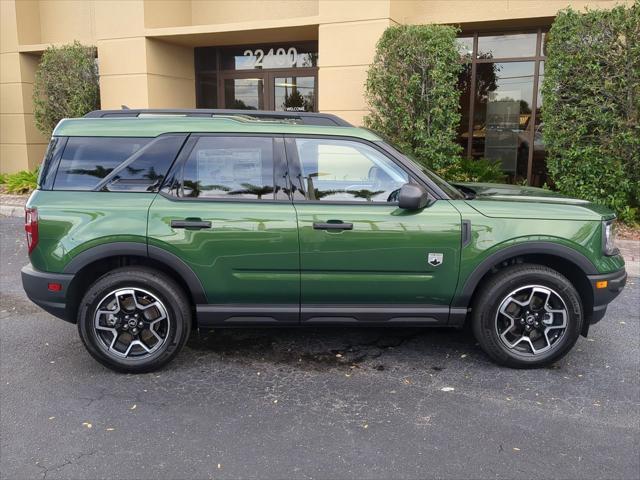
(592, 106)
(412, 91)
(22, 182)
(66, 85)
(470, 170)
(3, 178)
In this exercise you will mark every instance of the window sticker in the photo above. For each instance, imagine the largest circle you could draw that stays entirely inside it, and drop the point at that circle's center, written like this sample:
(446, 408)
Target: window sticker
(229, 167)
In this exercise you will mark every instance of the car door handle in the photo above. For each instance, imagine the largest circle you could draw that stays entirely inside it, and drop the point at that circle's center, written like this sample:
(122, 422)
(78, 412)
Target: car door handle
(191, 224)
(332, 226)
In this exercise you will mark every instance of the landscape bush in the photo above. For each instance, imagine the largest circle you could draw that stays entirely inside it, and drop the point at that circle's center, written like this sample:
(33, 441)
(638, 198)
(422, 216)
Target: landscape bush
(66, 85)
(21, 182)
(591, 111)
(412, 91)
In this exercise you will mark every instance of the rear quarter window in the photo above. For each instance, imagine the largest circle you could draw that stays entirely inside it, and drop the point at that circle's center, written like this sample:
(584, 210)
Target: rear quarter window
(88, 160)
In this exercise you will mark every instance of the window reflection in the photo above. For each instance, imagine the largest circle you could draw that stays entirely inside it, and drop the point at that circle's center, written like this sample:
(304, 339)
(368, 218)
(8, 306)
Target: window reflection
(502, 114)
(207, 91)
(87, 160)
(244, 93)
(294, 94)
(503, 46)
(342, 170)
(230, 167)
(539, 173)
(497, 101)
(465, 47)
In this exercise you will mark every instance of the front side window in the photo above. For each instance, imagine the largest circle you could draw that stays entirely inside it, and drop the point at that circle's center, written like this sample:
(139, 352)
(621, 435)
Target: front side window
(230, 168)
(344, 170)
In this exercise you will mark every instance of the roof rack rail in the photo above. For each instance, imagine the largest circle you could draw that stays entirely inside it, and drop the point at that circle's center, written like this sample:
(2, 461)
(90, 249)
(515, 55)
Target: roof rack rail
(304, 118)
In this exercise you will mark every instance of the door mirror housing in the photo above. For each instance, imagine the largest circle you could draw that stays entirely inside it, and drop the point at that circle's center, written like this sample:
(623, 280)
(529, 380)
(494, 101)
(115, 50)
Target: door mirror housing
(412, 197)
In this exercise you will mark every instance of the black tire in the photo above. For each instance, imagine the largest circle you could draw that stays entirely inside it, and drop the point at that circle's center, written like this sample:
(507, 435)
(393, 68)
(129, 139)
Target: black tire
(498, 288)
(160, 286)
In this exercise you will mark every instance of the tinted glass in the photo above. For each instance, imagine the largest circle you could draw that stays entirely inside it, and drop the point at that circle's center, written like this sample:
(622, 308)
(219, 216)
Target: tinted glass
(207, 94)
(87, 160)
(295, 94)
(146, 169)
(342, 170)
(51, 157)
(244, 93)
(502, 114)
(230, 167)
(465, 47)
(539, 172)
(270, 56)
(507, 45)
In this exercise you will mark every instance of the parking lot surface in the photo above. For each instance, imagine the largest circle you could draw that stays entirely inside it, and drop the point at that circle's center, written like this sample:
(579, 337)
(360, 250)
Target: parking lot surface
(322, 403)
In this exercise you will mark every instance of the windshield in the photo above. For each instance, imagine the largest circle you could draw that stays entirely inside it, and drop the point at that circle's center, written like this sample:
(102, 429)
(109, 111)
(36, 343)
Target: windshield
(446, 187)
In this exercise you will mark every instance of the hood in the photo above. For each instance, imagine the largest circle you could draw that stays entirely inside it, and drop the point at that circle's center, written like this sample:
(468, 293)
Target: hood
(518, 201)
(515, 192)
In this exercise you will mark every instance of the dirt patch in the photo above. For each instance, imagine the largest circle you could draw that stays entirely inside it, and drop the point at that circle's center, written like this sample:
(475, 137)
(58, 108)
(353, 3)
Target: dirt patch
(290, 347)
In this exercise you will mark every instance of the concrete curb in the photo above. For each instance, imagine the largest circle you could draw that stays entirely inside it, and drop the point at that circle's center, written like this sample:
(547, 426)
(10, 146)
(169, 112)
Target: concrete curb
(12, 210)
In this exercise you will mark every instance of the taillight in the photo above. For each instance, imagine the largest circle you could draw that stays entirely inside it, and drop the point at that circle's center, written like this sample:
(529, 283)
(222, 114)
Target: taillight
(31, 227)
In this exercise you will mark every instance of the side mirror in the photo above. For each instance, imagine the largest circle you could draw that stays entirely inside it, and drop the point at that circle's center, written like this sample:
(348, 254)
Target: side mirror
(412, 197)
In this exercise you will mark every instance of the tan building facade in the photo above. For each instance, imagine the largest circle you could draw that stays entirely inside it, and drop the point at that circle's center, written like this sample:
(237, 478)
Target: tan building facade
(267, 54)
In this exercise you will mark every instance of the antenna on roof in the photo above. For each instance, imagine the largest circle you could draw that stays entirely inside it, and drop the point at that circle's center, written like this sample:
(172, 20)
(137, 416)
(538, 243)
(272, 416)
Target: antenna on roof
(124, 107)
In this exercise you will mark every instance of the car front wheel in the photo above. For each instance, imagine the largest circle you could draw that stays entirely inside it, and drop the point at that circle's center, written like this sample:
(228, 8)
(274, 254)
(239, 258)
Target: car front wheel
(527, 316)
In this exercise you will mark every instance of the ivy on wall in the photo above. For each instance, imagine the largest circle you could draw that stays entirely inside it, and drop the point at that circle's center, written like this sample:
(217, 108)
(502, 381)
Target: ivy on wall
(66, 85)
(591, 108)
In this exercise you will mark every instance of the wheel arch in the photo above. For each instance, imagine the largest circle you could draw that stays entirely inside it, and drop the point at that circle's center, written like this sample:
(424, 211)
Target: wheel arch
(92, 263)
(567, 261)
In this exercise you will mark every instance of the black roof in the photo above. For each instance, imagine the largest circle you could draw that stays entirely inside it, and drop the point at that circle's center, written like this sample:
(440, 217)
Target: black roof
(304, 118)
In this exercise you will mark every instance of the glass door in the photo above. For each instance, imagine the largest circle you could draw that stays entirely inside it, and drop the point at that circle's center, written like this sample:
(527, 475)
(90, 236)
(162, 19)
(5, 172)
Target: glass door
(281, 91)
(244, 92)
(294, 93)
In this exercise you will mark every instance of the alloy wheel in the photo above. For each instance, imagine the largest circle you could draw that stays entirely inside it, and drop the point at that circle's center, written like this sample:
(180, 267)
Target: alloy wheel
(131, 322)
(531, 320)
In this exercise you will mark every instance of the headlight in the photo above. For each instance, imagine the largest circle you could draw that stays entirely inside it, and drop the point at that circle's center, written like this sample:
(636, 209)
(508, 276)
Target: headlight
(608, 238)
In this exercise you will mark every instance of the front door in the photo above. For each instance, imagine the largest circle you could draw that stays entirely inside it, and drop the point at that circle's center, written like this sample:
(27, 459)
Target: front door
(362, 258)
(281, 90)
(226, 216)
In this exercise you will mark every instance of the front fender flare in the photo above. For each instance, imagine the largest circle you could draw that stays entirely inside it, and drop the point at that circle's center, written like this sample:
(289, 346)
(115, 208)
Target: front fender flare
(463, 298)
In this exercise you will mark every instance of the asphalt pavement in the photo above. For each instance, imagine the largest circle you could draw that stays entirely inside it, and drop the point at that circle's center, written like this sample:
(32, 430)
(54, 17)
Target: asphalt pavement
(322, 403)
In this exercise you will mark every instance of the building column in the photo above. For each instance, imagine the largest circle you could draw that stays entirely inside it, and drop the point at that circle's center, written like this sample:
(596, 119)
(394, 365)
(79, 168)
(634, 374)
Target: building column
(345, 50)
(22, 146)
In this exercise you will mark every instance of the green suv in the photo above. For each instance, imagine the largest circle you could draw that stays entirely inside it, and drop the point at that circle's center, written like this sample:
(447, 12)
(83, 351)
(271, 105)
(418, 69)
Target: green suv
(146, 225)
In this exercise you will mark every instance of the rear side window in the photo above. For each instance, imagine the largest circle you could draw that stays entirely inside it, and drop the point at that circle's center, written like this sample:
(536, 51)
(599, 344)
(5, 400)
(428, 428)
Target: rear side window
(87, 160)
(230, 168)
(145, 169)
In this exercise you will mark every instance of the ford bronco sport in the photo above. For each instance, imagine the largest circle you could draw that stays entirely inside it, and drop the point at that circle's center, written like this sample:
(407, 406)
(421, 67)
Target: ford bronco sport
(145, 226)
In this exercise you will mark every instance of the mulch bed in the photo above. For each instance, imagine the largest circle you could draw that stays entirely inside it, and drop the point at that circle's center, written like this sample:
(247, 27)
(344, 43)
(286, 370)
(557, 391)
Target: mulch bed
(626, 232)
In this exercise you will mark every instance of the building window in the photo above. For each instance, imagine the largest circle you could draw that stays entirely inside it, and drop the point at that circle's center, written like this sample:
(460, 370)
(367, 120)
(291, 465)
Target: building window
(501, 102)
(258, 77)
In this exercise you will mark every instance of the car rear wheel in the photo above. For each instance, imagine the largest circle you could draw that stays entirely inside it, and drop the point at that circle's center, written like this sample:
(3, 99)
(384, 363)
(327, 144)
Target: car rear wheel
(134, 319)
(527, 316)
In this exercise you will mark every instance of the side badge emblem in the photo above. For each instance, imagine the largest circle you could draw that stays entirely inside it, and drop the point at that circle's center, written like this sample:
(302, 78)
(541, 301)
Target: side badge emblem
(435, 259)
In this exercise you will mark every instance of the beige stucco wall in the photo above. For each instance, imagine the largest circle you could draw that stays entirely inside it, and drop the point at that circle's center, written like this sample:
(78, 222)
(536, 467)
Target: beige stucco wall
(145, 47)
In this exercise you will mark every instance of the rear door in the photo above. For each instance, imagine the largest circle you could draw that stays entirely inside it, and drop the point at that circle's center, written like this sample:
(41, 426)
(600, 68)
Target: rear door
(363, 259)
(226, 214)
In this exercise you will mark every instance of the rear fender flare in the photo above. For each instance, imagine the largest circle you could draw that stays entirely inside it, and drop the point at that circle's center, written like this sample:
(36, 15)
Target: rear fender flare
(160, 255)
